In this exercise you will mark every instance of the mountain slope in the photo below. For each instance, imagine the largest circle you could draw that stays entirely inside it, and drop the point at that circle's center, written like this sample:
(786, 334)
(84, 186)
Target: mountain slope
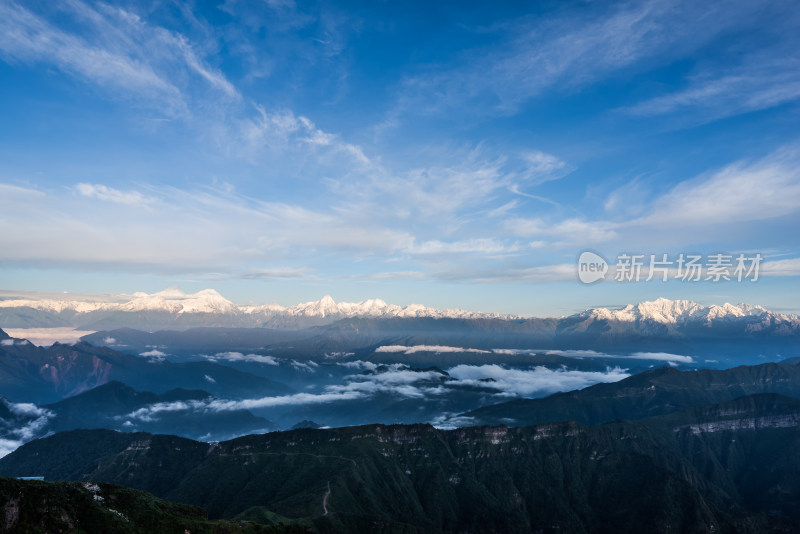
(40, 507)
(34, 374)
(111, 405)
(119, 407)
(206, 340)
(700, 470)
(650, 393)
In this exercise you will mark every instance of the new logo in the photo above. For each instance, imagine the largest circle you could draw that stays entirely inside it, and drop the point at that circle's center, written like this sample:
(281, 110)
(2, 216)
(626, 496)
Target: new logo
(591, 267)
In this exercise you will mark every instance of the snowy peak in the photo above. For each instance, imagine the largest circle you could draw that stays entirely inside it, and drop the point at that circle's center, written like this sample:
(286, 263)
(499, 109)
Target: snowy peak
(676, 311)
(670, 316)
(174, 300)
(173, 292)
(324, 307)
(667, 311)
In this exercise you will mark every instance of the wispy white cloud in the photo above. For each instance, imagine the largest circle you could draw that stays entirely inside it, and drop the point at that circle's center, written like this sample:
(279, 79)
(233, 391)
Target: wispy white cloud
(396, 379)
(16, 192)
(109, 194)
(516, 190)
(394, 374)
(232, 227)
(212, 227)
(285, 400)
(661, 356)
(558, 272)
(214, 77)
(761, 83)
(425, 348)
(308, 366)
(29, 38)
(150, 413)
(701, 208)
(219, 226)
(441, 191)
(568, 231)
(456, 187)
(277, 273)
(479, 245)
(543, 167)
(652, 356)
(399, 275)
(112, 49)
(27, 409)
(282, 130)
(573, 50)
(743, 191)
(358, 364)
(787, 267)
(526, 382)
(571, 353)
(154, 355)
(239, 357)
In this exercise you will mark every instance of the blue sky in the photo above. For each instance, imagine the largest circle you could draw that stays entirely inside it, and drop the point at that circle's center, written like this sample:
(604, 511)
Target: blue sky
(451, 154)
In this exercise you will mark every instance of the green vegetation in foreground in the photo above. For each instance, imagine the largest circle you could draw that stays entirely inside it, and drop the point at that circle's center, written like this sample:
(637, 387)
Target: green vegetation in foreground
(33, 507)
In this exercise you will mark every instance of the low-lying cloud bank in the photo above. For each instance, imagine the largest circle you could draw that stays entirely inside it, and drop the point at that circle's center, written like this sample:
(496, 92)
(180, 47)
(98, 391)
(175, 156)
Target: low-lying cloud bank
(31, 422)
(367, 381)
(580, 354)
(536, 381)
(426, 348)
(44, 337)
(239, 357)
(652, 356)
(403, 382)
(154, 355)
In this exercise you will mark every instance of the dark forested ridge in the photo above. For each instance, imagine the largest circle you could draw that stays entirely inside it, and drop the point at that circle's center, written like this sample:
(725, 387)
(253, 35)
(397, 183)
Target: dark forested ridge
(34, 507)
(656, 392)
(729, 467)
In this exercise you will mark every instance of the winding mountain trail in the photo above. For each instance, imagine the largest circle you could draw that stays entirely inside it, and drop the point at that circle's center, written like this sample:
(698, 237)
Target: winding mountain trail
(325, 499)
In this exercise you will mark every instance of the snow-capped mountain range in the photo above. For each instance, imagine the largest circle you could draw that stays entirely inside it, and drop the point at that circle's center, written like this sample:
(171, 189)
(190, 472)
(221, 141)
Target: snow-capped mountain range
(209, 302)
(172, 307)
(678, 311)
(672, 317)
